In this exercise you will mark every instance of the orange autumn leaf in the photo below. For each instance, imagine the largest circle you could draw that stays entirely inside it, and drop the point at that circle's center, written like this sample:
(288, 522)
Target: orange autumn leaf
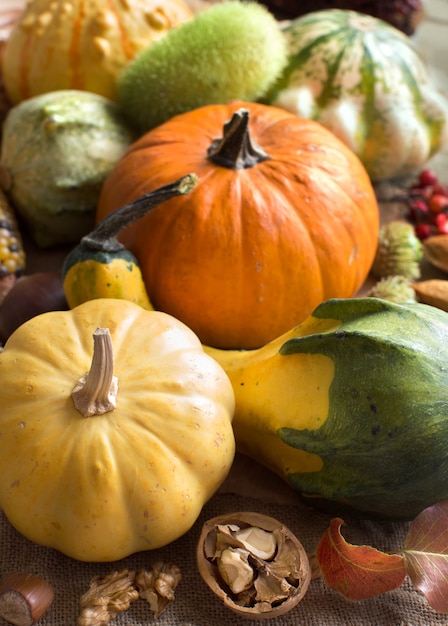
(357, 572)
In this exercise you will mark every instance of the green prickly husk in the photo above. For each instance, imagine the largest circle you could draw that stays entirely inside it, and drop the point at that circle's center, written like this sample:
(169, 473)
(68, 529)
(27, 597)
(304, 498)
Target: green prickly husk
(399, 252)
(394, 289)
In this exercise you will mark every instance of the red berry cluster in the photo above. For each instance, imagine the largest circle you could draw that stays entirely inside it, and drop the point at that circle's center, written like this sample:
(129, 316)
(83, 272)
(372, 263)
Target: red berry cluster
(428, 205)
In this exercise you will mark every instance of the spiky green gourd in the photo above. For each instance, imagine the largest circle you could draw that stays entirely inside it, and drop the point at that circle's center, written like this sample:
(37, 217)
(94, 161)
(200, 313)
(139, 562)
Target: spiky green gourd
(230, 51)
(351, 407)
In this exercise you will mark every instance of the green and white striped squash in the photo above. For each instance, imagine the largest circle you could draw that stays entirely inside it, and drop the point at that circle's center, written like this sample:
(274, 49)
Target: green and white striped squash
(365, 81)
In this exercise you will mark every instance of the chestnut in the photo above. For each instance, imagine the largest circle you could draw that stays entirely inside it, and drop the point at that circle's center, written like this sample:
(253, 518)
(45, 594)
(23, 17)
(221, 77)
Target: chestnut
(31, 295)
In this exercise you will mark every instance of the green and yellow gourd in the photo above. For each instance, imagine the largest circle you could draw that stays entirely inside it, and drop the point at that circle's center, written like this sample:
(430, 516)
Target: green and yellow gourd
(350, 407)
(101, 267)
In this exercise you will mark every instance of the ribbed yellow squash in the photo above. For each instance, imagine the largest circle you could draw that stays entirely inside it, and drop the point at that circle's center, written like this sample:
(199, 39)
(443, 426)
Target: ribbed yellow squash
(126, 462)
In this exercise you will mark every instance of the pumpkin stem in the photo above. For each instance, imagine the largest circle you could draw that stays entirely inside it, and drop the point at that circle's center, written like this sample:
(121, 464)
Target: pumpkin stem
(96, 392)
(236, 149)
(104, 236)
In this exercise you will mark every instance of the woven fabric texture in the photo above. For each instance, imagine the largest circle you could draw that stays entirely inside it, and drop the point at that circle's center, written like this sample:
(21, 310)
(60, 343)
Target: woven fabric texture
(194, 603)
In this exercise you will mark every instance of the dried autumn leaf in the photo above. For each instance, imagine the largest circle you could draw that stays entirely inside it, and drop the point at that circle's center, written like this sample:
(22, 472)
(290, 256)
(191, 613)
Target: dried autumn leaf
(357, 572)
(426, 555)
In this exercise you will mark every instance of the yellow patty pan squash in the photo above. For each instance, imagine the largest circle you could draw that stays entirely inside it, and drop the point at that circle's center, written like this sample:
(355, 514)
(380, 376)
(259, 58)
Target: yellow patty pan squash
(115, 429)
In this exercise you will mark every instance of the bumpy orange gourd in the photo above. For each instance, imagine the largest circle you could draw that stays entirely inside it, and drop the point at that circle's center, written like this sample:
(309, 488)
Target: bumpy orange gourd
(283, 217)
(82, 44)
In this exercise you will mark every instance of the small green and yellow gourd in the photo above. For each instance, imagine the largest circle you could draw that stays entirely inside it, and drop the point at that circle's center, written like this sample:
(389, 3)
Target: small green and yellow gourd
(101, 267)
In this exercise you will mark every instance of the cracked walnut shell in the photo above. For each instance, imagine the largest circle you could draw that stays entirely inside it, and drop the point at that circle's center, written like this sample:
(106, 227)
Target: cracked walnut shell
(253, 563)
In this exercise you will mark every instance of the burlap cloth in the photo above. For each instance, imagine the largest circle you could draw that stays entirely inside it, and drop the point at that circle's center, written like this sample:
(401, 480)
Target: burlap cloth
(249, 488)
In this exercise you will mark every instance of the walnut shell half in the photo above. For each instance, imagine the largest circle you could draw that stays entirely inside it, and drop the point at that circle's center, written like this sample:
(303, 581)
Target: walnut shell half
(236, 560)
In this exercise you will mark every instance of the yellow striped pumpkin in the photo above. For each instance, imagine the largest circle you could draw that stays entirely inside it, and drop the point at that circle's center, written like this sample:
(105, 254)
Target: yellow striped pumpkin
(82, 44)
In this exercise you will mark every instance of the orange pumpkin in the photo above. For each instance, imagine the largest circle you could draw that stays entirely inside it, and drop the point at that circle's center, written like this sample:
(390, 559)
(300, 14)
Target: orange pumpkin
(283, 217)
